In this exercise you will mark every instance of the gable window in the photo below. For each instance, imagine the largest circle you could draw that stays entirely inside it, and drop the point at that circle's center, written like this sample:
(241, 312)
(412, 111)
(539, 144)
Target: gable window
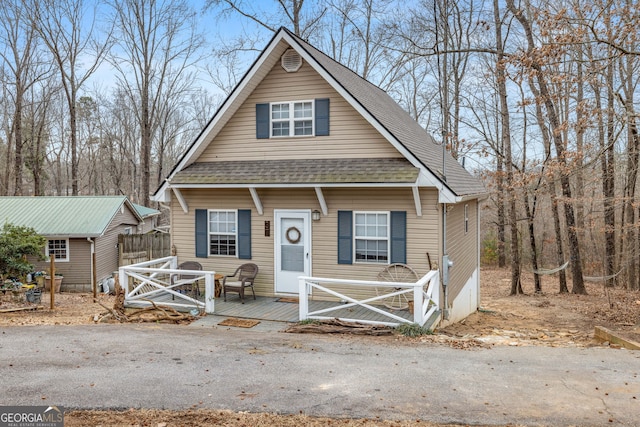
(371, 237)
(292, 119)
(59, 249)
(295, 118)
(222, 233)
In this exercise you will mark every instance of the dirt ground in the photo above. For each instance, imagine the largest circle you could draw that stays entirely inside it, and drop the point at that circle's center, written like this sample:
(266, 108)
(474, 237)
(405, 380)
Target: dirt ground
(547, 319)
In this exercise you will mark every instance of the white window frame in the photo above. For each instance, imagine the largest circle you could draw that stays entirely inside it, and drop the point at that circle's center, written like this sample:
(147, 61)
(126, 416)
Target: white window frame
(466, 218)
(66, 246)
(292, 120)
(210, 233)
(376, 238)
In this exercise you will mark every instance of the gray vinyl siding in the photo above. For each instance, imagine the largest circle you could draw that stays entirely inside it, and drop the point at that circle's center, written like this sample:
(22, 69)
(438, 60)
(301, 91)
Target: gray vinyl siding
(107, 244)
(462, 247)
(77, 271)
(351, 135)
(422, 232)
(107, 253)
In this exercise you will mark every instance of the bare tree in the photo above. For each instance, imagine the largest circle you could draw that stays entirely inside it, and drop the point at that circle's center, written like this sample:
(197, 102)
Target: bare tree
(37, 137)
(302, 18)
(157, 45)
(68, 29)
(505, 133)
(532, 59)
(22, 69)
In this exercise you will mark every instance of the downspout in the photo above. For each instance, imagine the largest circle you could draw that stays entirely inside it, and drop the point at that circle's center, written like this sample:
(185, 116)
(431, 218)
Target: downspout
(479, 248)
(93, 267)
(445, 264)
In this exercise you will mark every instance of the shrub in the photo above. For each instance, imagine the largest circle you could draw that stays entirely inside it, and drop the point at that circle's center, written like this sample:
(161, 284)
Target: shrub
(489, 251)
(16, 243)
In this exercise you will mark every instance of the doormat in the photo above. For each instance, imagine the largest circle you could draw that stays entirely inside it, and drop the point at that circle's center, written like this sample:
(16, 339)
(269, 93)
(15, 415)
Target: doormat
(287, 299)
(240, 323)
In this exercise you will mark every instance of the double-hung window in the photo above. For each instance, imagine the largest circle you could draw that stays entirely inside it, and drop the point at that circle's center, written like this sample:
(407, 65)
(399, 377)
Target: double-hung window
(222, 233)
(59, 249)
(371, 237)
(292, 119)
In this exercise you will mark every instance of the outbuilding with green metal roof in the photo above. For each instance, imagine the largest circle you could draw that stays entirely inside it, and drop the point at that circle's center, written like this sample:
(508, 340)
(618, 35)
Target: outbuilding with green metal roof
(76, 227)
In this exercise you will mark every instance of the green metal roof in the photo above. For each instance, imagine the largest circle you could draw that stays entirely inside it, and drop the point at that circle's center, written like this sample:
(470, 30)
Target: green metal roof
(75, 216)
(144, 211)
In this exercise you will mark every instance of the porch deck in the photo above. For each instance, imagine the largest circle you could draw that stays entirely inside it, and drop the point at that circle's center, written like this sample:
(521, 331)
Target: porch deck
(282, 309)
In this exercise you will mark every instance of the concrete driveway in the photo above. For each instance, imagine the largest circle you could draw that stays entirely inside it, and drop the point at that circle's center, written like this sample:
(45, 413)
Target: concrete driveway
(262, 370)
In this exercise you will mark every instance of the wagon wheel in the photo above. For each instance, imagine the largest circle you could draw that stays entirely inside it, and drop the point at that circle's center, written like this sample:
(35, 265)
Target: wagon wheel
(396, 273)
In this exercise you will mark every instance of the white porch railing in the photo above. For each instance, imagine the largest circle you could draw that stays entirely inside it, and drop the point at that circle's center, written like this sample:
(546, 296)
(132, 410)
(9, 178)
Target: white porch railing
(424, 292)
(151, 280)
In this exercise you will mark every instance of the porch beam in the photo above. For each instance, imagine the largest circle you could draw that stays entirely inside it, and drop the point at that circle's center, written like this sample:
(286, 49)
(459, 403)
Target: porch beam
(256, 200)
(322, 201)
(181, 200)
(416, 200)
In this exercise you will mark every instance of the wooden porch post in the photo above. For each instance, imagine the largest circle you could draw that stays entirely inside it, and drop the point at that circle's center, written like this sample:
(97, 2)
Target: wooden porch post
(52, 281)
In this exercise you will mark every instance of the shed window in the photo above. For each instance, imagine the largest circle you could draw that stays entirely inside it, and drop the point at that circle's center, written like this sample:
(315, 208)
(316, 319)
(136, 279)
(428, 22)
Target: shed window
(371, 237)
(222, 233)
(59, 249)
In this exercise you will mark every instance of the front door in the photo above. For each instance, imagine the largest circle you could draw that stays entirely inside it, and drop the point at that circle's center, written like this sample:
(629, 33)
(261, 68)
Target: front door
(293, 248)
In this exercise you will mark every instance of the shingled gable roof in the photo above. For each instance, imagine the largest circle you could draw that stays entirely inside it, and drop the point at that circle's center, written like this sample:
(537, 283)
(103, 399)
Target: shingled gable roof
(401, 125)
(373, 103)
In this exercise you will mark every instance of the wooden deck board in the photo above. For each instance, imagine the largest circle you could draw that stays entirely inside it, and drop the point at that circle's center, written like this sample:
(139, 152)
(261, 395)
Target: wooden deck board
(269, 308)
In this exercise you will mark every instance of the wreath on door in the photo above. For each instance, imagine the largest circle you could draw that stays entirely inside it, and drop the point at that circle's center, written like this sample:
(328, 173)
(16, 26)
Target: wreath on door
(293, 235)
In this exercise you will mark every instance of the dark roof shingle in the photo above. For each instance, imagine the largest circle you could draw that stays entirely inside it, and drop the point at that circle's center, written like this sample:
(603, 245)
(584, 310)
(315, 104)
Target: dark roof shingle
(316, 171)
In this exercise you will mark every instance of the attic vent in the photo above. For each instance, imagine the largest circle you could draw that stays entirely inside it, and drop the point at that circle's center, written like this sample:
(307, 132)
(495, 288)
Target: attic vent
(291, 61)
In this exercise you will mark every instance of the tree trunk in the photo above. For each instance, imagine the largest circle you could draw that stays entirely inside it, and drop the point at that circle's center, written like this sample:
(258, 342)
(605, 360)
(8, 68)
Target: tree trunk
(607, 167)
(553, 191)
(502, 257)
(516, 285)
(530, 211)
(19, 143)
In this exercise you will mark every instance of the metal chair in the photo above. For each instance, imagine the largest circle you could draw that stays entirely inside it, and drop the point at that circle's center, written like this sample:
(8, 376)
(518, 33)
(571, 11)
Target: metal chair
(191, 286)
(244, 277)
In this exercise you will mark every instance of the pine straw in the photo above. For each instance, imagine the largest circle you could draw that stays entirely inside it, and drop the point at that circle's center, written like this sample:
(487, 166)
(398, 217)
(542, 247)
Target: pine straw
(202, 417)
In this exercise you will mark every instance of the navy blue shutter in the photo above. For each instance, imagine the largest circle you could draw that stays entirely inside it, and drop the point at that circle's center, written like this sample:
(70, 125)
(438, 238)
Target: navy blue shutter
(398, 237)
(345, 237)
(244, 233)
(262, 121)
(322, 117)
(202, 241)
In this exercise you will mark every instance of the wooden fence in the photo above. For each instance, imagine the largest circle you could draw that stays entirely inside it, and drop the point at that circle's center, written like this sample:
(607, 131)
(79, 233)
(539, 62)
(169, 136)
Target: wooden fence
(136, 248)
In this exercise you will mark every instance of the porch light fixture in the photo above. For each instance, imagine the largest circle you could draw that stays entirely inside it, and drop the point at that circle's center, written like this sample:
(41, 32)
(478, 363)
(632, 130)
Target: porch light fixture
(315, 215)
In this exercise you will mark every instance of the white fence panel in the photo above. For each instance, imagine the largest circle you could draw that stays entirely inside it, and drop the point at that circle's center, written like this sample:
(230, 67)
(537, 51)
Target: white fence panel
(151, 281)
(425, 293)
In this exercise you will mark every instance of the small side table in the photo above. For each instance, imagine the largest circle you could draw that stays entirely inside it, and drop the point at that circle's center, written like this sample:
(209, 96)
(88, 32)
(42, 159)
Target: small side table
(218, 287)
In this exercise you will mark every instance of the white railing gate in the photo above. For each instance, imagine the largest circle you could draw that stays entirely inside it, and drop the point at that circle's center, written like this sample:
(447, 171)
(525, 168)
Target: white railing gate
(151, 281)
(425, 294)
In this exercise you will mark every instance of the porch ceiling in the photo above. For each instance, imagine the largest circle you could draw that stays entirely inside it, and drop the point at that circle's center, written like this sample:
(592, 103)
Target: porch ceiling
(298, 171)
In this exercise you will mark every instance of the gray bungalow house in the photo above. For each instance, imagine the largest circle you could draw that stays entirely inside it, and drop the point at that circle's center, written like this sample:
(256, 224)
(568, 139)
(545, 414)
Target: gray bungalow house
(76, 227)
(309, 170)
